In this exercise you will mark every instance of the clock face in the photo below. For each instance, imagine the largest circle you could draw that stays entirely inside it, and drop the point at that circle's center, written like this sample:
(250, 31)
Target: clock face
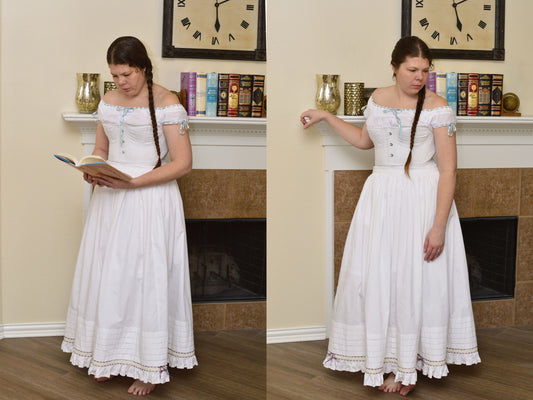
(216, 24)
(471, 29)
(461, 24)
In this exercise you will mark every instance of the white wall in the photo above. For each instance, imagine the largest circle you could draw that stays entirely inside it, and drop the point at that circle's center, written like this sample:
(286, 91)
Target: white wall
(43, 44)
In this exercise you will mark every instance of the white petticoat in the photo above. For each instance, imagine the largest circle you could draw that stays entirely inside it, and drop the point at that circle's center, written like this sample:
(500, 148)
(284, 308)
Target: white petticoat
(393, 311)
(130, 309)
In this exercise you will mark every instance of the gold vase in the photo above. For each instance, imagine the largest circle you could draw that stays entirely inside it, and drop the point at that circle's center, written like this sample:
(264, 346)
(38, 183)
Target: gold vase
(354, 99)
(88, 92)
(328, 96)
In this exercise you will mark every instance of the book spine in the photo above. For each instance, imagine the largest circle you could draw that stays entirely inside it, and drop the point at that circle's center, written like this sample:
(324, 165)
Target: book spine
(258, 88)
(432, 82)
(484, 95)
(440, 84)
(188, 83)
(462, 93)
(496, 95)
(201, 93)
(222, 105)
(473, 90)
(245, 96)
(451, 90)
(212, 94)
(233, 95)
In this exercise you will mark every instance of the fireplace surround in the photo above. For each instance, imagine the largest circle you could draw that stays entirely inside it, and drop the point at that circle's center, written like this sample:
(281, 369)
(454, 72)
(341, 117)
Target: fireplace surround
(228, 181)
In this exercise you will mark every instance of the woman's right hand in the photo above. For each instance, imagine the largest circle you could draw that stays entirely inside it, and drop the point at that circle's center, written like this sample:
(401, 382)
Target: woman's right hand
(311, 117)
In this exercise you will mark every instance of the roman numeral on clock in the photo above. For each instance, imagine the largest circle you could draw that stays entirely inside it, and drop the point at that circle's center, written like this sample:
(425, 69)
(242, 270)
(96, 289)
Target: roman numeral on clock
(231, 37)
(436, 35)
(245, 24)
(186, 22)
(419, 3)
(424, 23)
(482, 24)
(469, 38)
(487, 7)
(214, 41)
(453, 40)
(181, 3)
(197, 35)
(249, 7)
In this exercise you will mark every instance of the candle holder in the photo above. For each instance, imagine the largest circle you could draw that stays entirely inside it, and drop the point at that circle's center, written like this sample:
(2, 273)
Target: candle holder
(354, 99)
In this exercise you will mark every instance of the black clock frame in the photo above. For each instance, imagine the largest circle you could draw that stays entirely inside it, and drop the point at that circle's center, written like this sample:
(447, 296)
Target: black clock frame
(498, 53)
(169, 51)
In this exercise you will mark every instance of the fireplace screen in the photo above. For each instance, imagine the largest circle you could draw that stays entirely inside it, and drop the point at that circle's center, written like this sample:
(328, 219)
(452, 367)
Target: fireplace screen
(490, 245)
(227, 259)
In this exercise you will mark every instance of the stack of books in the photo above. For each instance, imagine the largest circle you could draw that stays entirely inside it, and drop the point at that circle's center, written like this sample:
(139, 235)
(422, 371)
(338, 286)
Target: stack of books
(223, 95)
(469, 94)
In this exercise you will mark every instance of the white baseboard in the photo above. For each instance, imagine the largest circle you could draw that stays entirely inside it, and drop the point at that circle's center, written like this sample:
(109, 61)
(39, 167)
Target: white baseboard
(301, 334)
(32, 330)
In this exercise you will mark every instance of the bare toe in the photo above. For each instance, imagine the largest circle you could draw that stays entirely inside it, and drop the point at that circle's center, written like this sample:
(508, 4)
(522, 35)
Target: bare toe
(140, 388)
(405, 390)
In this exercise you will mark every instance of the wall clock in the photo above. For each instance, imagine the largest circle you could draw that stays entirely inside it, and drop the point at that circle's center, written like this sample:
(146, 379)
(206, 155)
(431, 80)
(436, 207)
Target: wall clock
(214, 29)
(462, 29)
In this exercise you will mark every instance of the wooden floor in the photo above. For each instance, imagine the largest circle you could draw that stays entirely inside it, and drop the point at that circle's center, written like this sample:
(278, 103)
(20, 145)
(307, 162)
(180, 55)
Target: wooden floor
(295, 372)
(231, 367)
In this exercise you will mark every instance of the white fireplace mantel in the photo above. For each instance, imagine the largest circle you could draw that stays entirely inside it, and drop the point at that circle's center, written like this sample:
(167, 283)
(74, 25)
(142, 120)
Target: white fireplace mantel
(217, 143)
(482, 142)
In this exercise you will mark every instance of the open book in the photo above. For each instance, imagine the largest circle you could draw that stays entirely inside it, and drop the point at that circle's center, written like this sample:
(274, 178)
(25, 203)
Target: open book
(93, 165)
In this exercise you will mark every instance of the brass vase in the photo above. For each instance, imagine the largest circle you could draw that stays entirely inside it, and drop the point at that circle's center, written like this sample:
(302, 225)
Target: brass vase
(88, 92)
(354, 99)
(328, 96)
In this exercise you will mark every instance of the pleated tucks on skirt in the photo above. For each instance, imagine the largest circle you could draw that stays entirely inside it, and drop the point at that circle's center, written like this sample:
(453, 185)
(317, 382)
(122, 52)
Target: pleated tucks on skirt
(130, 310)
(393, 311)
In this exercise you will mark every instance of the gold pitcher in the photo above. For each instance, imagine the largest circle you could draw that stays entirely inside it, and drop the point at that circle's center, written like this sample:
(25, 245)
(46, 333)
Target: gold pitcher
(328, 96)
(88, 92)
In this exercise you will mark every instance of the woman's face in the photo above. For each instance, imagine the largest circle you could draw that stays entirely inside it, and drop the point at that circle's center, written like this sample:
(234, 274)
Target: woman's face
(130, 80)
(412, 74)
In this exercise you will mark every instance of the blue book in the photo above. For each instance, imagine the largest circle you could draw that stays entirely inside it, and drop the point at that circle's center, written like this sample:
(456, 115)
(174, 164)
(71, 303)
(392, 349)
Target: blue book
(212, 95)
(451, 90)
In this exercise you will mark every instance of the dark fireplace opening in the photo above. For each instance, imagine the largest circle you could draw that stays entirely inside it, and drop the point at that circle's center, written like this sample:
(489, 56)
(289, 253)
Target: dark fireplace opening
(490, 245)
(227, 259)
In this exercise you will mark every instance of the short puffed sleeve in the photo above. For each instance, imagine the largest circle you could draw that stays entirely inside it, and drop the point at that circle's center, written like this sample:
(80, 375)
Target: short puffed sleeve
(176, 115)
(444, 116)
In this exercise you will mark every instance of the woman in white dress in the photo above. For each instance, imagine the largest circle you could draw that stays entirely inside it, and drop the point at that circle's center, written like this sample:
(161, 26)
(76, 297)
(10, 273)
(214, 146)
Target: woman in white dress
(130, 309)
(403, 301)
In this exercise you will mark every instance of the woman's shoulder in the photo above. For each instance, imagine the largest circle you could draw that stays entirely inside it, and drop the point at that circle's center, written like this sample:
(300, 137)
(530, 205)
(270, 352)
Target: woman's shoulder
(434, 101)
(164, 97)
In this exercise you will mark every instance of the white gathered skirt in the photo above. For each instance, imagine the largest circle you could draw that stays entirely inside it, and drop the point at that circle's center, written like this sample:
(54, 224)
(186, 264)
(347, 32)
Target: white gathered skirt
(130, 309)
(393, 311)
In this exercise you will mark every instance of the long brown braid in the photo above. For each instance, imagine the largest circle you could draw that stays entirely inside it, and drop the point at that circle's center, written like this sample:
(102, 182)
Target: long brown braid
(130, 50)
(412, 46)
(419, 105)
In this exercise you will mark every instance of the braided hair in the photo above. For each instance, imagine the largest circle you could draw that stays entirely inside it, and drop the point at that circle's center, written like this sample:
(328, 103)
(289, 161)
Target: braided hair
(130, 50)
(412, 46)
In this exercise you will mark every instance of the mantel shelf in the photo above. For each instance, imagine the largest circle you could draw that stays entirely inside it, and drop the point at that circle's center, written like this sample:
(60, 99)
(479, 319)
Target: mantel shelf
(254, 125)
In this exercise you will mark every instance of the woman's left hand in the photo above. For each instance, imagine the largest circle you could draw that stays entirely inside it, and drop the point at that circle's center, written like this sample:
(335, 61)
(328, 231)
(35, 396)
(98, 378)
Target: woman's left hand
(434, 243)
(107, 181)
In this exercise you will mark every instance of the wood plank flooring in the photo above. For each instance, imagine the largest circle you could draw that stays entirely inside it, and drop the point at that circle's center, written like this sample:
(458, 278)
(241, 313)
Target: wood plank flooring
(295, 372)
(231, 367)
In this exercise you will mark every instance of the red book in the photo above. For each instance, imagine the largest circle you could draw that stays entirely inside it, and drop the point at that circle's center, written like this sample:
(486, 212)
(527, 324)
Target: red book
(472, 105)
(233, 95)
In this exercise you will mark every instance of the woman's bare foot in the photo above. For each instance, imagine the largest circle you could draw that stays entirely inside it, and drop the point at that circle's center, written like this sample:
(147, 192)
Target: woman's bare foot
(405, 390)
(389, 386)
(140, 388)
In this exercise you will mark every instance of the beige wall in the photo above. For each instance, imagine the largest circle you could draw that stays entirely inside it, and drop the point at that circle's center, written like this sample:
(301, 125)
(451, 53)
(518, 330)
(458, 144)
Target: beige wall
(43, 44)
(353, 39)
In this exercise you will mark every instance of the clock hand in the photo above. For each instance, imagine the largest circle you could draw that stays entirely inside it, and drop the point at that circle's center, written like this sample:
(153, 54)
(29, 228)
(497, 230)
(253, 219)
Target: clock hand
(459, 24)
(217, 22)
